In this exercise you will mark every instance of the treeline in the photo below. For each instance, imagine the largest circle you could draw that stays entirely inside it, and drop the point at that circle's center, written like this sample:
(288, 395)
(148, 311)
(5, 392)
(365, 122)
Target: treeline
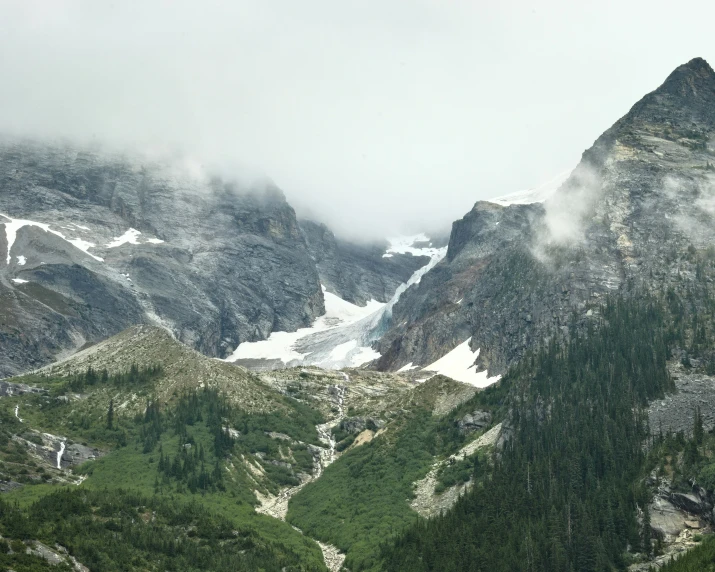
(112, 530)
(132, 377)
(563, 493)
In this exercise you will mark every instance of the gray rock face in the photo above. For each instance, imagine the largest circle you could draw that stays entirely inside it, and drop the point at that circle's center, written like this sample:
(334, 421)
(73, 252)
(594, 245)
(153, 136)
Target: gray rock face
(628, 217)
(676, 411)
(665, 519)
(691, 503)
(214, 262)
(355, 425)
(357, 272)
(475, 421)
(7, 388)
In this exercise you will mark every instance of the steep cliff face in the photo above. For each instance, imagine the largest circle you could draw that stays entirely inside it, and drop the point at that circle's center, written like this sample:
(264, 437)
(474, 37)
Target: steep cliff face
(358, 272)
(632, 214)
(98, 242)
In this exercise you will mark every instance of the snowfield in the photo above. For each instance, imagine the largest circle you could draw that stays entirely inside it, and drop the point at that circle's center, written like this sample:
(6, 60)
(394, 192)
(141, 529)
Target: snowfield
(343, 336)
(280, 345)
(406, 245)
(459, 365)
(128, 237)
(536, 195)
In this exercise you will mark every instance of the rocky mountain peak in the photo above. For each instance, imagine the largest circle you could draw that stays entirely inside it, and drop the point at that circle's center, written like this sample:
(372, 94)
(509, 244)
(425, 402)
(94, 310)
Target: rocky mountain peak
(633, 211)
(683, 106)
(693, 79)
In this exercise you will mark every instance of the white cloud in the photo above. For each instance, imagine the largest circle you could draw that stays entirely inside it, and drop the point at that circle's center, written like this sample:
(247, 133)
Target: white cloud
(367, 113)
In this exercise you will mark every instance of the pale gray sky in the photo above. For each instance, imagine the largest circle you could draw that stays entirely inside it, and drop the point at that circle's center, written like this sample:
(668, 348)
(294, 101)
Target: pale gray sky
(375, 116)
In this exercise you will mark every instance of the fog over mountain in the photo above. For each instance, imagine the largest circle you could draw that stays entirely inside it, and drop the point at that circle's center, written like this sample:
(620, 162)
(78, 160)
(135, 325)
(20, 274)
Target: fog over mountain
(376, 117)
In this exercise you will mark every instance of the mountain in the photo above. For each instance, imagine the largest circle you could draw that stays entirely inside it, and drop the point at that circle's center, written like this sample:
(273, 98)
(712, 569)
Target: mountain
(633, 213)
(93, 242)
(583, 437)
(100, 242)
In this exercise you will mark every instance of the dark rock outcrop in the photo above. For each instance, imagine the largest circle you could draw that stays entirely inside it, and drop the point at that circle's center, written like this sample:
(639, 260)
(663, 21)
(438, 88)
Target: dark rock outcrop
(357, 272)
(474, 421)
(355, 425)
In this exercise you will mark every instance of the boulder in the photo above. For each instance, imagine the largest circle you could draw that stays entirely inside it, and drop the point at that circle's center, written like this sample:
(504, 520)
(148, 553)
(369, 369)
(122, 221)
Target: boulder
(475, 421)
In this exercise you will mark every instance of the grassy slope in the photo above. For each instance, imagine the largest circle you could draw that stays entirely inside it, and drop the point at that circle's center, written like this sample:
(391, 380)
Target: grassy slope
(363, 498)
(128, 466)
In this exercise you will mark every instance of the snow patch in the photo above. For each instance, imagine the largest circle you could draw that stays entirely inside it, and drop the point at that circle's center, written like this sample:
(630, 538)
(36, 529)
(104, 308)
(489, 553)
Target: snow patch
(407, 367)
(535, 195)
(459, 365)
(17, 413)
(16, 224)
(21, 260)
(83, 245)
(154, 240)
(19, 281)
(128, 237)
(406, 245)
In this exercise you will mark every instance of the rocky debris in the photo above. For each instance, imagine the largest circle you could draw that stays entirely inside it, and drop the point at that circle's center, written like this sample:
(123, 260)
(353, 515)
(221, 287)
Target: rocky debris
(369, 395)
(45, 552)
(215, 262)
(277, 506)
(438, 393)
(8, 389)
(332, 556)
(357, 272)
(452, 397)
(426, 502)
(184, 369)
(676, 411)
(475, 421)
(685, 540)
(626, 219)
(56, 556)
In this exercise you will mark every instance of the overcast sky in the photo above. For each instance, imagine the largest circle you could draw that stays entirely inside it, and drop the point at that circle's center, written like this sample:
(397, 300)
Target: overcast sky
(375, 116)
